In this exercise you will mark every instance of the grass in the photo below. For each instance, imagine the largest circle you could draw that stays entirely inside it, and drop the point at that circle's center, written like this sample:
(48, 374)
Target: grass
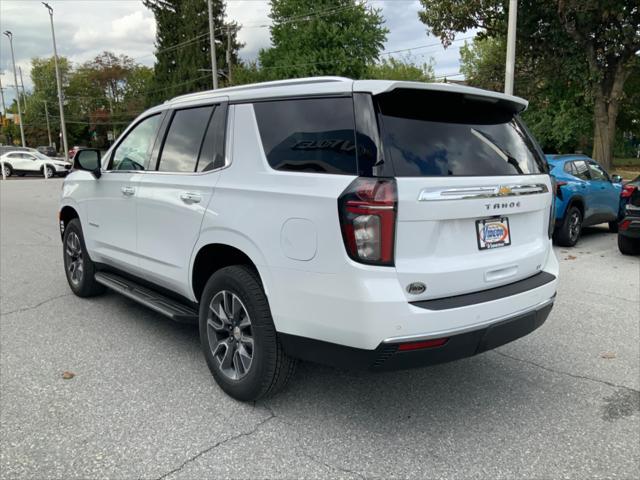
(627, 168)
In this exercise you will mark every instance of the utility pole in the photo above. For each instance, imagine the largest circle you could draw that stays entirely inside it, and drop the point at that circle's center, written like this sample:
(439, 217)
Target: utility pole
(46, 114)
(4, 107)
(24, 95)
(63, 126)
(9, 35)
(511, 47)
(229, 54)
(212, 48)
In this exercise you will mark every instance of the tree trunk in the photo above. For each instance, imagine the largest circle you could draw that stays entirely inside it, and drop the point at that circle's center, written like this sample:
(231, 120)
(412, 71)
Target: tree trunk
(605, 114)
(602, 138)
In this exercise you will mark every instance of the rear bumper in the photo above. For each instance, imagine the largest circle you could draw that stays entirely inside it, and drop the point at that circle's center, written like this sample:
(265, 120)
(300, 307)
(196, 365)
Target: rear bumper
(388, 356)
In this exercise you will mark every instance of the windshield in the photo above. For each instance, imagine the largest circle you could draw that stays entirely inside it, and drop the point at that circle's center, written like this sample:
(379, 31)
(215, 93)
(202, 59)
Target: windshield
(429, 133)
(39, 155)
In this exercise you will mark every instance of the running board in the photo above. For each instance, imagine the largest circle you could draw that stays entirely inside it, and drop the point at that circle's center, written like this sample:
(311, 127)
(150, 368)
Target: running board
(149, 298)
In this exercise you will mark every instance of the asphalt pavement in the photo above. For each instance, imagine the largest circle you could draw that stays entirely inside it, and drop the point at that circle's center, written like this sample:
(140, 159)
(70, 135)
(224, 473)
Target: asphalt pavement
(563, 402)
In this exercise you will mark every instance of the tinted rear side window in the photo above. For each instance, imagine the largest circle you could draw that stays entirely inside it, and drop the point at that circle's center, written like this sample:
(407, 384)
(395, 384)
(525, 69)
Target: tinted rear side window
(184, 139)
(212, 152)
(309, 135)
(440, 134)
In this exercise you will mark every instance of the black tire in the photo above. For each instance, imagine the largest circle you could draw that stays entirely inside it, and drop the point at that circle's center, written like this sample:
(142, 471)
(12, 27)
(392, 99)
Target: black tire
(569, 232)
(270, 369)
(83, 283)
(628, 246)
(49, 171)
(613, 227)
(8, 171)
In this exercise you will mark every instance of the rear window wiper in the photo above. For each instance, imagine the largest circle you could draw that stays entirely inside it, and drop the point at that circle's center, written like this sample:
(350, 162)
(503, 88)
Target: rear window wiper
(502, 153)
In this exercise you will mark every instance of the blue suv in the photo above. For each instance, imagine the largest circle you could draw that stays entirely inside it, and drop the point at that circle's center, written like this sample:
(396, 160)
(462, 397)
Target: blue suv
(585, 195)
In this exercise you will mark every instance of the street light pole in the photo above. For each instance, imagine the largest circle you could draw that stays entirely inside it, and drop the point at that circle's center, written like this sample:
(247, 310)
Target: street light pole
(4, 107)
(24, 94)
(511, 47)
(63, 126)
(212, 48)
(9, 35)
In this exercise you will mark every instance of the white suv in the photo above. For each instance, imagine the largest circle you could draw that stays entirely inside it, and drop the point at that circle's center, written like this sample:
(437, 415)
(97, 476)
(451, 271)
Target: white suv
(362, 224)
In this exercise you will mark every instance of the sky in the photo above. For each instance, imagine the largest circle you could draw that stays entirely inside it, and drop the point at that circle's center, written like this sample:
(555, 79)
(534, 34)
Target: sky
(84, 28)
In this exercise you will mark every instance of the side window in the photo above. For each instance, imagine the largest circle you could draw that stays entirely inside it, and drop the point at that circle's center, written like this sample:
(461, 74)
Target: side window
(212, 152)
(581, 170)
(184, 139)
(597, 173)
(569, 168)
(309, 135)
(134, 151)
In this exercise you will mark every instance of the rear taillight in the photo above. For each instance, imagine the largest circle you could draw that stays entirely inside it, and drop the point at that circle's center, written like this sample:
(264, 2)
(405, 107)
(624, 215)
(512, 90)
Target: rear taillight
(367, 210)
(552, 210)
(628, 190)
(558, 189)
(624, 225)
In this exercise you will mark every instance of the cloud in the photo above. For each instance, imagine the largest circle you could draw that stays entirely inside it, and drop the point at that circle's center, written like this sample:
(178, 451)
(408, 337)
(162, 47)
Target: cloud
(86, 28)
(135, 28)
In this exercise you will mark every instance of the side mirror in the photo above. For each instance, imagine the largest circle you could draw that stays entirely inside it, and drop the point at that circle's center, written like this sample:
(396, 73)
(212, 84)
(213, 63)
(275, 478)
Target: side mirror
(88, 159)
(616, 178)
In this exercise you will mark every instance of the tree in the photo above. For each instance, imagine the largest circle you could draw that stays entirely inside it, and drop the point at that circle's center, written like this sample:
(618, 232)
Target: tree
(182, 46)
(401, 69)
(602, 35)
(322, 37)
(559, 113)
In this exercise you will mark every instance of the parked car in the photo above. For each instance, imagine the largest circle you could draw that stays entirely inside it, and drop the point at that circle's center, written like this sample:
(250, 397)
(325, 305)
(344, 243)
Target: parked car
(322, 219)
(32, 162)
(627, 190)
(49, 151)
(629, 227)
(585, 195)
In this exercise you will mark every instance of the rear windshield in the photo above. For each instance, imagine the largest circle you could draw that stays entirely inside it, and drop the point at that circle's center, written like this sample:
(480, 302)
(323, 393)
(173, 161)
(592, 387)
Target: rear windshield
(439, 134)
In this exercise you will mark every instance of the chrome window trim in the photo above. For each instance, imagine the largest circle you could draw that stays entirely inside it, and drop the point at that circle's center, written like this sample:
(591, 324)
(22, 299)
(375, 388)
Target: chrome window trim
(495, 191)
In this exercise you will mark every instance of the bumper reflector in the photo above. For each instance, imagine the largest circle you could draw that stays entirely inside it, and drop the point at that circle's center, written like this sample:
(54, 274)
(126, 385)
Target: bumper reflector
(436, 342)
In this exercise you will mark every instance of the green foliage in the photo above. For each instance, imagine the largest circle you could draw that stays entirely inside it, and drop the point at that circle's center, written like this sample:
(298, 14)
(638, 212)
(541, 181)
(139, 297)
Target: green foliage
(101, 95)
(183, 61)
(401, 69)
(322, 37)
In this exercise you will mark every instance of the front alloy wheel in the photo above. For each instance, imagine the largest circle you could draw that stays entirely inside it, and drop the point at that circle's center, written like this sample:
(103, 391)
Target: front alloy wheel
(49, 172)
(73, 258)
(229, 335)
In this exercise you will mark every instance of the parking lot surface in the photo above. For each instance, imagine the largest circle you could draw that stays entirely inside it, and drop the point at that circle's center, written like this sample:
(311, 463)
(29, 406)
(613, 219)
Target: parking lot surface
(561, 402)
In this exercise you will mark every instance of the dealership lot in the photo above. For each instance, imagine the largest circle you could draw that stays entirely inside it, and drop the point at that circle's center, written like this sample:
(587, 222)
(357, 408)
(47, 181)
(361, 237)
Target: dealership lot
(562, 402)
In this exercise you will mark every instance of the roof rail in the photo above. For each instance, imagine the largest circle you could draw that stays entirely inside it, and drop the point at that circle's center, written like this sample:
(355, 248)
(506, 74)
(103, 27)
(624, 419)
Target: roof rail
(275, 83)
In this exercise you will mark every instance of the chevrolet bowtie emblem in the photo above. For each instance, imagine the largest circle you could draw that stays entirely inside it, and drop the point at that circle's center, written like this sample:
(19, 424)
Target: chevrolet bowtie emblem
(503, 191)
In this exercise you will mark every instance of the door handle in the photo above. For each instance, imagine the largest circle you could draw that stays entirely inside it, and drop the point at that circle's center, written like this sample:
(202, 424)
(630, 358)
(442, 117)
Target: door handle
(189, 197)
(128, 191)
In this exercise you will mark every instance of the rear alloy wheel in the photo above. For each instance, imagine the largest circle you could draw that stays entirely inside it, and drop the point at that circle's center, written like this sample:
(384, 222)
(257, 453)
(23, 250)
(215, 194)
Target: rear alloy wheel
(238, 337)
(569, 232)
(8, 171)
(229, 335)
